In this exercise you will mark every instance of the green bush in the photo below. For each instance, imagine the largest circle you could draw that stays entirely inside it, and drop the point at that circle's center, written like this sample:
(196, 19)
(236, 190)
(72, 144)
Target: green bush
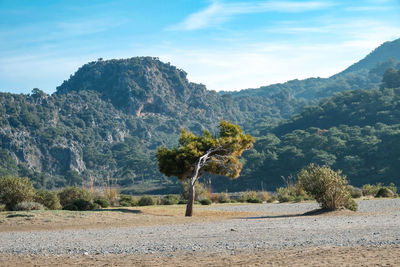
(2, 207)
(71, 207)
(127, 201)
(354, 191)
(170, 200)
(371, 190)
(205, 201)
(283, 194)
(69, 195)
(14, 190)
(250, 196)
(47, 198)
(101, 201)
(83, 204)
(27, 206)
(182, 202)
(385, 192)
(328, 187)
(146, 201)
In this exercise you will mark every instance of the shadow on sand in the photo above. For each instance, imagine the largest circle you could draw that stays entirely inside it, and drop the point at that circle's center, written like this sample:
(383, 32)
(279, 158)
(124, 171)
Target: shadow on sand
(121, 210)
(308, 213)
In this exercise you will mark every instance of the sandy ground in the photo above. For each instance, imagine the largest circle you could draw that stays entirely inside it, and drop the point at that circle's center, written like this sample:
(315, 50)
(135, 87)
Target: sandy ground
(326, 256)
(381, 255)
(110, 218)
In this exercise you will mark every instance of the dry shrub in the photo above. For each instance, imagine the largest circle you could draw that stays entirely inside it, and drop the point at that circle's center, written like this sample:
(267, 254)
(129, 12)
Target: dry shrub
(14, 190)
(28, 205)
(47, 198)
(328, 187)
(264, 196)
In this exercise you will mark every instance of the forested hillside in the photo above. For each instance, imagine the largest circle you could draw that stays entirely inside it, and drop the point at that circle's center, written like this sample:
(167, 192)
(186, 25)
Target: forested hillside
(355, 131)
(104, 123)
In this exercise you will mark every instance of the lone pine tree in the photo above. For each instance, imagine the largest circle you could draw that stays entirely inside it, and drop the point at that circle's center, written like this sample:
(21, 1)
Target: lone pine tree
(207, 153)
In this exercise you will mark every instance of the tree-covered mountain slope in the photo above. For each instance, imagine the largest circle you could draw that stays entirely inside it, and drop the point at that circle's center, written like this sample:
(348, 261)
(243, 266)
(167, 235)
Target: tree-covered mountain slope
(355, 131)
(104, 123)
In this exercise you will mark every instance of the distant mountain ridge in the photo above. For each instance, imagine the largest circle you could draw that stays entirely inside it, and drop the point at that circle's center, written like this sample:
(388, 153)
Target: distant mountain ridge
(107, 119)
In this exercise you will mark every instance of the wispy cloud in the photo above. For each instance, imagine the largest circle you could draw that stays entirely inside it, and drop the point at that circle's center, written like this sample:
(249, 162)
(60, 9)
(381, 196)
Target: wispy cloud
(220, 12)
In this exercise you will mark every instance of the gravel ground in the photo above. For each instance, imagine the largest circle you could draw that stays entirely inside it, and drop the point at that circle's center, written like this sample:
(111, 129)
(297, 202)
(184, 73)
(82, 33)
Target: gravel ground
(377, 224)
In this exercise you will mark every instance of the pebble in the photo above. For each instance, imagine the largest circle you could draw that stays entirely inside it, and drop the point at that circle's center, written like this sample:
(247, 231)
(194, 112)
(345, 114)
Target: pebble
(251, 233)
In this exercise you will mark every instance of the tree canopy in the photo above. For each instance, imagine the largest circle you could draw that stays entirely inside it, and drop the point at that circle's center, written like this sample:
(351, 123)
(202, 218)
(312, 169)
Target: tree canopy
(196, 154)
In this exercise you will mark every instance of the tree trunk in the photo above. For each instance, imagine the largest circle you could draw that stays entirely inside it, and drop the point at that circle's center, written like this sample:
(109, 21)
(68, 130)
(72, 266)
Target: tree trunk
(200, 164)
(189, 206)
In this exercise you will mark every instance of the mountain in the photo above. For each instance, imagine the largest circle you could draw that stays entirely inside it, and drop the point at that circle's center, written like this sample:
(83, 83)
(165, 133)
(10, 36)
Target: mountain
(365, 74)
(355, 131)
(104, 123)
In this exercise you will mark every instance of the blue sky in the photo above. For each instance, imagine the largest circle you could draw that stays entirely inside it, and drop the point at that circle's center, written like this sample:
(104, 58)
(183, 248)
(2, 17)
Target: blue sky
(226, 45)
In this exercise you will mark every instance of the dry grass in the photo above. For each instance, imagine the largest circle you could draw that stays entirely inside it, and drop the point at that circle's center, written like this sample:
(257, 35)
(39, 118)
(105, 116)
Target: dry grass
(107, 218)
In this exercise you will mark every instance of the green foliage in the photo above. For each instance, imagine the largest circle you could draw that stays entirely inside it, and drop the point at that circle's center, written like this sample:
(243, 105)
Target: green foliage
(69, 195)
(373, 190)
(47, 198)
(385, 192)
(391, 78)
(2, 207)
(205, 201)
(146, 201)
(83, 204)
(355, 192)
(250, 196)
(328, 187)
(170, 200)
(127, 201)
(28, 205)
(180, 162)
(14, 190)
(101, 201)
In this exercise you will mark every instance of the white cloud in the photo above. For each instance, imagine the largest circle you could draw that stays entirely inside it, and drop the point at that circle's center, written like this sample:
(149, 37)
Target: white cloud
(219, 12)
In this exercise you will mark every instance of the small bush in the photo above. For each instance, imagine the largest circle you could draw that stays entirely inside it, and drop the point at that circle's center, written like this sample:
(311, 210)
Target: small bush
(199, 191)
(101, 201)
(27, 206)
(385, 192)
(250, 196)
(264, 196)
(170, 200)
(327, 186)
(47, 198)
(14, 190)
(205, 201)
(223, 198)
(371, 190)
(146, 201)
(283, 194)
(127, 201)
(83, 204)
(182, 202)
(354, 191)
(69, 195)
(2, 207)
